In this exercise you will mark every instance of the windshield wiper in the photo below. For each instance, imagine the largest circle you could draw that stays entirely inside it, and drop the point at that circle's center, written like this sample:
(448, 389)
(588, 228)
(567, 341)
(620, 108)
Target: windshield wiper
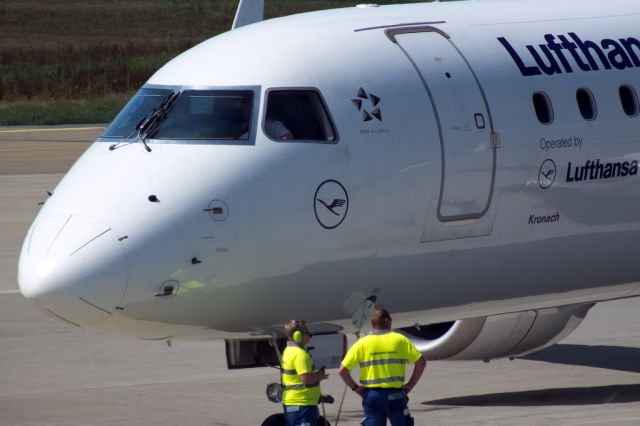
(150, 121)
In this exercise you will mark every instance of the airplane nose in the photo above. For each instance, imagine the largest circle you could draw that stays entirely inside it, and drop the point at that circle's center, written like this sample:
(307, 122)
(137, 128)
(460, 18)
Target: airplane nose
(73, 267)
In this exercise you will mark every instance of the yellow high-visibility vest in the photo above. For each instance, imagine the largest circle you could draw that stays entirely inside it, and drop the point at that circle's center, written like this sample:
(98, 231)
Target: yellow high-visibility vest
(382, 357)
(295, 362)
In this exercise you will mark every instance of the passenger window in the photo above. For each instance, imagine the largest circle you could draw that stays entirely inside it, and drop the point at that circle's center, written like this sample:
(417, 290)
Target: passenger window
(629, 100)
(587, 104)
(208, 115)
(298, 114)
(542, 105)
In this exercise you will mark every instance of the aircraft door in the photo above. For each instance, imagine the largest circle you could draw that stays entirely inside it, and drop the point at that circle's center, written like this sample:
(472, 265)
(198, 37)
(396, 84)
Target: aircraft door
(466, 137)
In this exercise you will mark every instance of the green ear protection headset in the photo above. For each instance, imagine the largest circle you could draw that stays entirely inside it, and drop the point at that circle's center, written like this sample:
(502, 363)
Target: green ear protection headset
(297, 336)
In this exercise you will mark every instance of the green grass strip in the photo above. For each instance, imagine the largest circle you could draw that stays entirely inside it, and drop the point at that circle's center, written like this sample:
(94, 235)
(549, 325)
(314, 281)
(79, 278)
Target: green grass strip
(63, 111)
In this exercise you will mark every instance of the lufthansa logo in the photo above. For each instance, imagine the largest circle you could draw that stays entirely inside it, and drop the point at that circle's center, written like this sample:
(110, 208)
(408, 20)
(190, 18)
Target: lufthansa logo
(330, 204)
(547, 173)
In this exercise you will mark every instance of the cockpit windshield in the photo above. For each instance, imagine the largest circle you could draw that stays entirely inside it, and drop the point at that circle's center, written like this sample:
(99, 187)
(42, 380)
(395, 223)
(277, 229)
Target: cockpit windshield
(208, 115)
(194, 115)
(139, 107)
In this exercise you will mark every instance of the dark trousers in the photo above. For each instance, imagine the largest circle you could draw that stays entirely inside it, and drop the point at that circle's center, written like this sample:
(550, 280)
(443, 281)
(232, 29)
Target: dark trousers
(301, 415)
(382, 404)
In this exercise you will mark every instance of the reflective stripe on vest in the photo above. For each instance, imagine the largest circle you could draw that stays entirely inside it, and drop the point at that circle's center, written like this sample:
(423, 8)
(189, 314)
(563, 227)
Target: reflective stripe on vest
(383, 380)
(382, 361)
(300, 386)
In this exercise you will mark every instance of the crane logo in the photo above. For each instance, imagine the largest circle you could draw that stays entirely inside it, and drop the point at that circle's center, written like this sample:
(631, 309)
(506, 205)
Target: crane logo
(331, 203)
(547, 173)
(368, 104)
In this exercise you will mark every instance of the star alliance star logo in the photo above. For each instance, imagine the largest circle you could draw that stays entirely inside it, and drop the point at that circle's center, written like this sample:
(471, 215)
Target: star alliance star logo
(369, 104)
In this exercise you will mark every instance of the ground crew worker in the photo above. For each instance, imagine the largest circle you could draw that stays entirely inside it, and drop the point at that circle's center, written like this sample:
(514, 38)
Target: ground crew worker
(382, 356)
(300, 378)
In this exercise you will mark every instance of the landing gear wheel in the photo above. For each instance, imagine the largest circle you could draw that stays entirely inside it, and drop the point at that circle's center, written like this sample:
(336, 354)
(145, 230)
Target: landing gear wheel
(323, 422)
(278, 420)
(275, 420)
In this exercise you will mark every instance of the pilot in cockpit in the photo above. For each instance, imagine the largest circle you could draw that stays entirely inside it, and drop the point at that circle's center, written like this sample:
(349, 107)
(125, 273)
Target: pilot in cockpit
(274, 124)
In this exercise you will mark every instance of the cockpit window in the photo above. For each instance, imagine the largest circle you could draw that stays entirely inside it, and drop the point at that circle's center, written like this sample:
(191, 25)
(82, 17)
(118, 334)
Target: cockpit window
(298, 114)
(194, 115)
(208, 115)
(140, 106)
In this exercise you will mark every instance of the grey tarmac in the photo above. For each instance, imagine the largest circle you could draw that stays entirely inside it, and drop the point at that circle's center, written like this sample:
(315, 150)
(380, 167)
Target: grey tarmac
(55, 374)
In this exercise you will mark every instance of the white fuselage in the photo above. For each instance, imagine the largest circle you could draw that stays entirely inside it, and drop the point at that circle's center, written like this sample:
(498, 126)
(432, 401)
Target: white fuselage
(451, 209)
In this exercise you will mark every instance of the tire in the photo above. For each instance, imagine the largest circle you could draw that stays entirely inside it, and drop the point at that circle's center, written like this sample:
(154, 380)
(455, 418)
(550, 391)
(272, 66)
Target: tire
(278, 420)
(274, 420)
(323, 422)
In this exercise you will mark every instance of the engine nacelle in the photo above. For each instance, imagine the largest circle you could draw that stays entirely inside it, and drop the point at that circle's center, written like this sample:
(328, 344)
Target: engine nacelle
(507, 335)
